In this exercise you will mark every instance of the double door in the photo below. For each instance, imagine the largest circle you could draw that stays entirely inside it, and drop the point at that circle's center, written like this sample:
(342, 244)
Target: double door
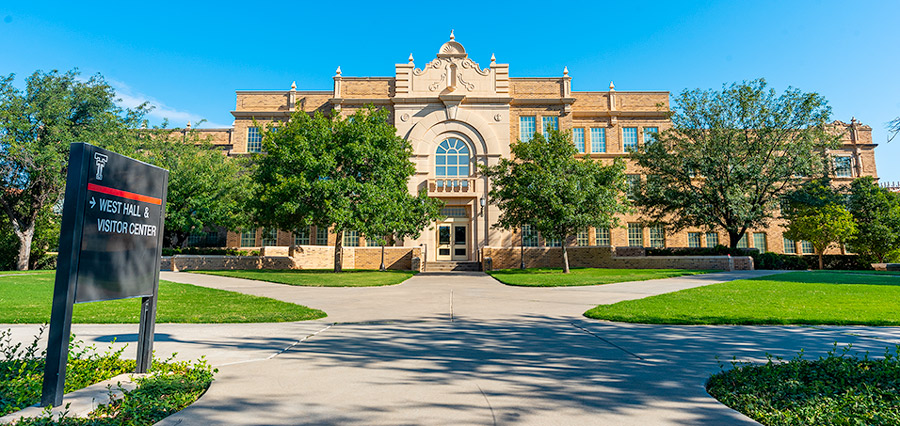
(452, 241)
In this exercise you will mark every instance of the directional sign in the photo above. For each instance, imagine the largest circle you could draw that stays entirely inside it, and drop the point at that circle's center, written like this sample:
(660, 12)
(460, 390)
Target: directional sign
(109, 248)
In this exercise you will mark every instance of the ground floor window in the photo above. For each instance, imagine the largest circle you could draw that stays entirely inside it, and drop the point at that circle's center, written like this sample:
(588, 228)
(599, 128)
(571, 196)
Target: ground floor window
(529, 236)
(693, 239)
(742, 243)
(635, 235)
(602, 236)
(759, 242)
(301, 237)
(807, 247)
(373, 242)
(553, 242)
(205, 239)
(322, 236)
(790, 247)
(248, 238)
(270, 237)
(657, 236)
(351, 239)
(582, 238)
(712, 239)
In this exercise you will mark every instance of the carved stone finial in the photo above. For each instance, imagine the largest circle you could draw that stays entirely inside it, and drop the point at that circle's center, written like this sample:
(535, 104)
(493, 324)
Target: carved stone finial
(612, 86)
(410, 58)
(852, 120)
(294, 85)
(565, 71)
(338, 70)
(452, 37)
(493, 58)
(188, 125)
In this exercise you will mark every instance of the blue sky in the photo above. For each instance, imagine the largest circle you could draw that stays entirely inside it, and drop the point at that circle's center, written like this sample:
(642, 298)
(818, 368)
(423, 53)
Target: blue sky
(189, 58)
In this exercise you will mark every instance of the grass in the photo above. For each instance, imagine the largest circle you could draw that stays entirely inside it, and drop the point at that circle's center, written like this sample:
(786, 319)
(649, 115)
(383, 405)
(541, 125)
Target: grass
(553, 277)
(319, 277)
(814, 297)
(26, 299)
(834, 390)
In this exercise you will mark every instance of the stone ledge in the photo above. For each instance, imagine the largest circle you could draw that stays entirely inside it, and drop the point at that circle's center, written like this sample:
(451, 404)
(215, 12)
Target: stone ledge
(83, 401)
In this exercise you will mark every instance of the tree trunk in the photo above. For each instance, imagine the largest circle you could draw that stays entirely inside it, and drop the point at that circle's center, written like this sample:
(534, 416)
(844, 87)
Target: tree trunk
(821, 262)
(733, 239)
(381, 268)
(25, 237)
(339, 251)
(565, 258)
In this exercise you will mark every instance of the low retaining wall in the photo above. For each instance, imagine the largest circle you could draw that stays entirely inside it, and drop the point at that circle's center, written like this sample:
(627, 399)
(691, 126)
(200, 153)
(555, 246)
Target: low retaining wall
(886, 266)
(303, 257)
(605, 257)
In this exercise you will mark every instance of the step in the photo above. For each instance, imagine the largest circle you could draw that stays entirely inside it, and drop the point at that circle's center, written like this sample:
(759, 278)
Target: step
(448, 266)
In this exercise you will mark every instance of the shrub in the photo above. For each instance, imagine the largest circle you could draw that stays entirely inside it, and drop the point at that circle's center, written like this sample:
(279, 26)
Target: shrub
(718, 250)
(167, 251)
(834, 390)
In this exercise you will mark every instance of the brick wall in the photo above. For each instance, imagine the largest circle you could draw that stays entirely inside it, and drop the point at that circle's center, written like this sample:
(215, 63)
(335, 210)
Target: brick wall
(304, 257)
(606, 257)
(183, 262)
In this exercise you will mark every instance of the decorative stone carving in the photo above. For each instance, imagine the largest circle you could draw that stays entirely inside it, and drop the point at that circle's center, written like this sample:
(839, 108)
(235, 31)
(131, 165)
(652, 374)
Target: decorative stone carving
(404, 118)
(469, 86)
(434, 86)
(498, 117)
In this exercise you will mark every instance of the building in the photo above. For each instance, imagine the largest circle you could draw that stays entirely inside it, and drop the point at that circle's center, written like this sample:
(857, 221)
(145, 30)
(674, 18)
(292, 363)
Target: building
(457, 115)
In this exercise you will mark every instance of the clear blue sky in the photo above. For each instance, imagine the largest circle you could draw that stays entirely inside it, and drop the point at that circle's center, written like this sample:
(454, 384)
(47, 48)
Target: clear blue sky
(189, 58)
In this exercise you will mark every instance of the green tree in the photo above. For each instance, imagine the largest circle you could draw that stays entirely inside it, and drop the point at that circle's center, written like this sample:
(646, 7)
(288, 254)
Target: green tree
(548, 187)
(332, 171)
(731, 155)
(206, 188)
(37, 126)
(876, 212)
(893, 128)
(398, 216)
(815, 212)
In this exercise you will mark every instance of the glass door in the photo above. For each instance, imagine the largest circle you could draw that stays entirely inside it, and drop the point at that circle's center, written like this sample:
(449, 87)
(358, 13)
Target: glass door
(443, 247)
(460, 250)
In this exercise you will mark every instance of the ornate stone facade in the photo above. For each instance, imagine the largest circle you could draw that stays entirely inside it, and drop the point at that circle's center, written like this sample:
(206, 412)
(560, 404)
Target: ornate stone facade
(452, 103)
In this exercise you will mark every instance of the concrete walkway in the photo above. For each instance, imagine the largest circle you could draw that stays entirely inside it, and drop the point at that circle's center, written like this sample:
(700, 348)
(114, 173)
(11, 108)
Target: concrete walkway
(464, 349)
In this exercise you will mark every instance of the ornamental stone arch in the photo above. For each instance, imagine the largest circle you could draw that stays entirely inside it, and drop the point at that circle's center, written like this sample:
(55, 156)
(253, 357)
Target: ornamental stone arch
(426, 133)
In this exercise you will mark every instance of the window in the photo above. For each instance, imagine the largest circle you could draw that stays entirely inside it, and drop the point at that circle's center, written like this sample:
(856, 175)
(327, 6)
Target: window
(635, 235)
(650, 134)
(578, 138)
(657, 236)
(452, 159)
(712, 239)
(552, 242)
(807, 247)
(581, 239)
(629, 137)
(373, 242)
(598, 140)
(454, 212)
(195, 240)
(301, 237)
(742, 243)
(351, 239)
(270, 237)
(601, 236)
(526, 128)
(322, 236)
(694, 239)
(759, 242)
(254, 139)
(529, 236)
(842, 167)
(790, 247)
(633, 183)
(248, 238)
(549, 123)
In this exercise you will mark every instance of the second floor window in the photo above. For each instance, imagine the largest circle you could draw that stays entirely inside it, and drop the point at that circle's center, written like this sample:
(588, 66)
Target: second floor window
(526, 128)
(547, 124)
(629, 137)
(650, 134)
(842, 167)
(578, 138)
(254, 139)
(452, 159)
(598, 140)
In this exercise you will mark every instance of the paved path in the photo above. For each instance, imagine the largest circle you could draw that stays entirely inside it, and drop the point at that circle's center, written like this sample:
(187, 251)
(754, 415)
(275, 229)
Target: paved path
(487, 354)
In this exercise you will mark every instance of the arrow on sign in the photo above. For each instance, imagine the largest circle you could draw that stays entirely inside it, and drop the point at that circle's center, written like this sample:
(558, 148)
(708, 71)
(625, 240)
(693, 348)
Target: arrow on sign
(93, 202)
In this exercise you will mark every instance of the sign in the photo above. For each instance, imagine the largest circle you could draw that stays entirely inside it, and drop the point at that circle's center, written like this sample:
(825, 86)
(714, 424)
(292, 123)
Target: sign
(109, 248)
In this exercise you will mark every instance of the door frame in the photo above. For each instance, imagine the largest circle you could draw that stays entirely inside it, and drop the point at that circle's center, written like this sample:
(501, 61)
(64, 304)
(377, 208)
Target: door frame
(452, 223)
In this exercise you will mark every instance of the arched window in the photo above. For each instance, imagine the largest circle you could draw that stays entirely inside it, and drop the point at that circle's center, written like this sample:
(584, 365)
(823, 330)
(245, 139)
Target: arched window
(452, 159)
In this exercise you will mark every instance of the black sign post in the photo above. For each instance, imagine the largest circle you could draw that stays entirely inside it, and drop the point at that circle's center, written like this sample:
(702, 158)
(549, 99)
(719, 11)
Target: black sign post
(109, 248)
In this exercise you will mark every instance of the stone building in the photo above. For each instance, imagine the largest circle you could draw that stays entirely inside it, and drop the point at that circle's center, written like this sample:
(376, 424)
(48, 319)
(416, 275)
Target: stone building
(458, 114)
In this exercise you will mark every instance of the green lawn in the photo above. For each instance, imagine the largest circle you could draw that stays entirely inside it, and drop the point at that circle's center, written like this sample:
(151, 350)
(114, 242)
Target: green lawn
(319, 277)
(26, 299)
(553, 277)
(814, 297)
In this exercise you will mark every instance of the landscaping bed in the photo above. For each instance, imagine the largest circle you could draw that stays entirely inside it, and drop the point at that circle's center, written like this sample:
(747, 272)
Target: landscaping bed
(318, 277)
(26, 299)
(814, 297)
(171, 386)
(833, 390)
(554, 277)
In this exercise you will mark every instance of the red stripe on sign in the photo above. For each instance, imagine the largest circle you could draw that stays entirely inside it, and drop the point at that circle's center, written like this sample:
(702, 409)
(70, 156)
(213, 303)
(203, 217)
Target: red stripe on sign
(123, 194)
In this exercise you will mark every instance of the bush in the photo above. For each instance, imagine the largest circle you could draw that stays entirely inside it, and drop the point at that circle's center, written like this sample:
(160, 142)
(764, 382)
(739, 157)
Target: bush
(167, 251)
(718, 250)
(793, 262)
(834, 390)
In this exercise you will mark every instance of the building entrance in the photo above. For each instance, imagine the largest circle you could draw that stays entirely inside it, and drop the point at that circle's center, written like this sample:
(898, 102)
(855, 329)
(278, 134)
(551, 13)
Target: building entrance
(452, 241)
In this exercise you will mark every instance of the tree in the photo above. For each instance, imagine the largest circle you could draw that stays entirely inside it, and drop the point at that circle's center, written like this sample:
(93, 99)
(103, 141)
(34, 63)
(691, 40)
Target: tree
(36, 127)
(206, 188)
(815, 212)
(893, 128)
(876, 212)
(731, 155)
(547, 187)
(332, 171)
(399, 215)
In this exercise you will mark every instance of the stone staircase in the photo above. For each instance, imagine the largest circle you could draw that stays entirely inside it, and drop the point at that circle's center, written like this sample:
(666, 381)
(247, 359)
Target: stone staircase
(447, 266)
